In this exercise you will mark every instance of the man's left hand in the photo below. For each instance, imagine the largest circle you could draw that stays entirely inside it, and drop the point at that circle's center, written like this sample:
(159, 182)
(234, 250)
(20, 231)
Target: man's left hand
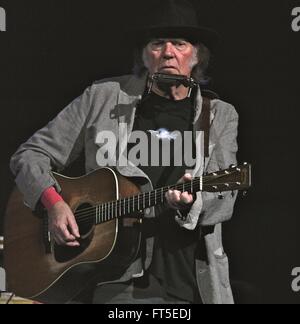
(180, 200)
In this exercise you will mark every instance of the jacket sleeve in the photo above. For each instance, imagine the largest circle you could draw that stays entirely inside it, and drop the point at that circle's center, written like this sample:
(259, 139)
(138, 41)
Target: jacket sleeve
(53, 147)
(208, 209)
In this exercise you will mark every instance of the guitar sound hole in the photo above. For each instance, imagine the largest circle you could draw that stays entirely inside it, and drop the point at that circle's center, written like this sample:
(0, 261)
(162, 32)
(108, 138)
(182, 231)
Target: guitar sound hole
(85, 219)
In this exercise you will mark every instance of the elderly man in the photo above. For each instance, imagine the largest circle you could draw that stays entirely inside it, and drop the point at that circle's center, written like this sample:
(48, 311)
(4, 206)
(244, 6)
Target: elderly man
(183, 260)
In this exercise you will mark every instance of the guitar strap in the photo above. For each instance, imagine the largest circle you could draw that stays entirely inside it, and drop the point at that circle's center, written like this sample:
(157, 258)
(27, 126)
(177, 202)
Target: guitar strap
(207, 96)
(204, 126)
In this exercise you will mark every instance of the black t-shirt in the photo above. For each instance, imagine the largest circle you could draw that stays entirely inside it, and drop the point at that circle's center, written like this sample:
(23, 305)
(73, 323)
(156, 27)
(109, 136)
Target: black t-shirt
(174, 249)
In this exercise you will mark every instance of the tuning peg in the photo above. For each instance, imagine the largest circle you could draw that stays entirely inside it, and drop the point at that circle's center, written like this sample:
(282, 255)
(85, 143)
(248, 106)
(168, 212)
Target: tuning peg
(220, 196)
(245, 193)
(232, 166)
(245, 163)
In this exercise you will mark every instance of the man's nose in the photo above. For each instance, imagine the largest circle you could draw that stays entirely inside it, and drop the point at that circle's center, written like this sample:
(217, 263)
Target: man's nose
(168, 50)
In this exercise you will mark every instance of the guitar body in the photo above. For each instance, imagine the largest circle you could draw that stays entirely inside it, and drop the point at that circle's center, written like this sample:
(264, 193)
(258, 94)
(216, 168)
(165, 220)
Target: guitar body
(41, 270)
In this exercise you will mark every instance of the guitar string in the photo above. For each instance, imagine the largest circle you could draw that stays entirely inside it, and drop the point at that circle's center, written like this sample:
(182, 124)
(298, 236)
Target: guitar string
(139, 197)
(112, 204)
(104, 214)
(103, 218)
(111, 207)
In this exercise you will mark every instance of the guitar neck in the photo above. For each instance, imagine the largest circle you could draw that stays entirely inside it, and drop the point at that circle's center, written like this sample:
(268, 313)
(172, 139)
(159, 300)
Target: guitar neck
(234, 178)
(125, 206)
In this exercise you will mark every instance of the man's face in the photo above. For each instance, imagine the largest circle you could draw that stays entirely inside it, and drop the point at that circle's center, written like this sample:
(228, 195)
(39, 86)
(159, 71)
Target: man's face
(170, 56)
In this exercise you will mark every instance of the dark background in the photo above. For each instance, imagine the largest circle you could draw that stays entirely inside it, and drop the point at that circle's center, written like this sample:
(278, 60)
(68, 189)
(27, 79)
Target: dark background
(53, 50)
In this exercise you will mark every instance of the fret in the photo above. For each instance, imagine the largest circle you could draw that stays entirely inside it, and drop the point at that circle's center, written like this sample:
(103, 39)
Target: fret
(183, 187)
(101, 213)
(109, 211)
(144, 200)
(162, 194)
(133, 203)
(155, 199)
(149, 198)
(138, 198)
(192, 187)
(124, 206)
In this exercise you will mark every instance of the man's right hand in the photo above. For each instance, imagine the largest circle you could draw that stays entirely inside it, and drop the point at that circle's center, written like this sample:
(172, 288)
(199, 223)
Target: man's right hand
(63, 226)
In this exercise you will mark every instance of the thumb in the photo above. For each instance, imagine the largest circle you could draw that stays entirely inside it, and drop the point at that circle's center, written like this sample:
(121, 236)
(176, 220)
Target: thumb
(73, 226)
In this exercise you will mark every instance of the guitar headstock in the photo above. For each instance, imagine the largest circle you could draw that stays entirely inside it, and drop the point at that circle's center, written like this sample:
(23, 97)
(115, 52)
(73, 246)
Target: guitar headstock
(234, 178)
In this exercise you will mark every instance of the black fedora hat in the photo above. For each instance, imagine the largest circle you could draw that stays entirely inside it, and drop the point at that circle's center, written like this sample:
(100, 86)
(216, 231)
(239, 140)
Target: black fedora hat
(174, 18)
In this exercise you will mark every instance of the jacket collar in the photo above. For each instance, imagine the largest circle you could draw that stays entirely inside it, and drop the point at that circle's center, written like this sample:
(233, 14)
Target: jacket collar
(134, 88)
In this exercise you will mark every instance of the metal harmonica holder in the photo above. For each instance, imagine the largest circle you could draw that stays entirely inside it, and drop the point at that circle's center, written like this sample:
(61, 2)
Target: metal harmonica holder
(172, 79)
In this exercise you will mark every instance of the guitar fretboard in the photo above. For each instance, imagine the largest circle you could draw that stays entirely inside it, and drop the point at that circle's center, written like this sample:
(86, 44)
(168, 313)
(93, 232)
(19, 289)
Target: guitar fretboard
(234, 178)
(125, 206)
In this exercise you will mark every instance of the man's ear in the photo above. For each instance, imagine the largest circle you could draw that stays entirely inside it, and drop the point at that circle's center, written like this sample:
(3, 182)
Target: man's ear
(196, 57)
(145, 58)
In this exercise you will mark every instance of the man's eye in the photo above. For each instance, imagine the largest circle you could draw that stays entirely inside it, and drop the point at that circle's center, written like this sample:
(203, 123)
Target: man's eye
(158, 43)
(180, 44)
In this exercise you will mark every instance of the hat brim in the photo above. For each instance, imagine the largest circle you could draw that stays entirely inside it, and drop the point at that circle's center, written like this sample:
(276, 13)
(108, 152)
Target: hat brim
(208, 37)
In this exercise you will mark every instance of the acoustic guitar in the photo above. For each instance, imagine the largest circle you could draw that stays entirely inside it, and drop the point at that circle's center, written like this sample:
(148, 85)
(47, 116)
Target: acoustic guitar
(109, 210)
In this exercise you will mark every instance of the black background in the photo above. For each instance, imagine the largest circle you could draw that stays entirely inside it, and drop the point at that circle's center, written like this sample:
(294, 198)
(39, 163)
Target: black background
(53, 50)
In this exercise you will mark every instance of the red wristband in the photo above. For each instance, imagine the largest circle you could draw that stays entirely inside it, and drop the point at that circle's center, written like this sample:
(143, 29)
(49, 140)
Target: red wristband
(50, 197)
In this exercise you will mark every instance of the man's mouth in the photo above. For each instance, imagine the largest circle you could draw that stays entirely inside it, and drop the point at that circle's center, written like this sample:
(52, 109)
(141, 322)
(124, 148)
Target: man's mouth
(168, 68)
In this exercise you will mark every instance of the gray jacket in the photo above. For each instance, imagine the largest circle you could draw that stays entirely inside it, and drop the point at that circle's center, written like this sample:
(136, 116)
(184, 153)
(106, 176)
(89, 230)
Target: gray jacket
(104, 106)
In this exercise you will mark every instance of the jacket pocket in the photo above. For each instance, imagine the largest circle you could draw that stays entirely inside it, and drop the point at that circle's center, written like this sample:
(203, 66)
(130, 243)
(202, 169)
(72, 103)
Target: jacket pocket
(222, 266)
